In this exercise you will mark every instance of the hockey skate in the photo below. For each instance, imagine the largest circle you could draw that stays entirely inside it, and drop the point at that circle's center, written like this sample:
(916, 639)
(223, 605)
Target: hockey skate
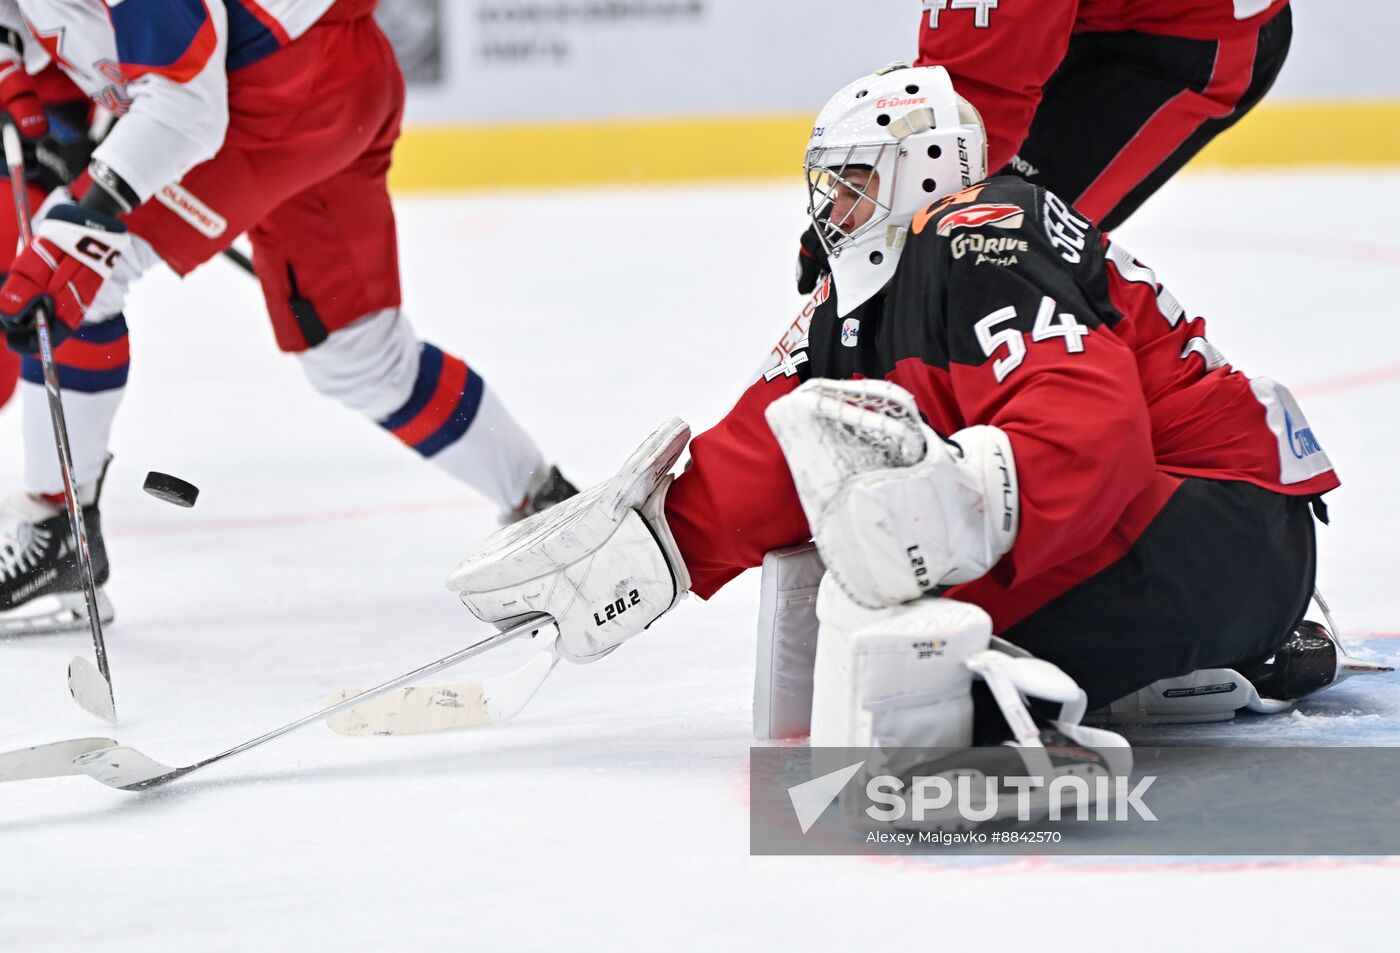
(1309, 660)
(553, 489)
(41, 582)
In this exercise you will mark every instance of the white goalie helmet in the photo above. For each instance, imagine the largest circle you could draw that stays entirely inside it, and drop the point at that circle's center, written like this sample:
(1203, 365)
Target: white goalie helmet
(886, 145)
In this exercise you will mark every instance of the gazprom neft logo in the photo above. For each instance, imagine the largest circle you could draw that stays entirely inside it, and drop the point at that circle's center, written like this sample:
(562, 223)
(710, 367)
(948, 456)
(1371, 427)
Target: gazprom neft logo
(1301, 442)
(963, 799)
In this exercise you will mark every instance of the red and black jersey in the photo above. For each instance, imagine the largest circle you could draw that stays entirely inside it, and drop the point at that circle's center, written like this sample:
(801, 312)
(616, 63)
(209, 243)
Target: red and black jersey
(1002, 55)
(1008, 308)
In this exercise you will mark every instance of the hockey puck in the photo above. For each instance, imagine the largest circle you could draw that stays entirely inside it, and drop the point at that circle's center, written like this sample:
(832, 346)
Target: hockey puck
(171, 489)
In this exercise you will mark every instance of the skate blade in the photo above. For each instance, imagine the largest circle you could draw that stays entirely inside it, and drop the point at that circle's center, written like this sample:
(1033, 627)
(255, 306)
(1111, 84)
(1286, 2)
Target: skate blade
(1349, 665)
(54, 613)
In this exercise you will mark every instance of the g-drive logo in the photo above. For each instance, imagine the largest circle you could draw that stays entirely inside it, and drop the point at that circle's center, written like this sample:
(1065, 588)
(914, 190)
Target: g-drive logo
(974, 797)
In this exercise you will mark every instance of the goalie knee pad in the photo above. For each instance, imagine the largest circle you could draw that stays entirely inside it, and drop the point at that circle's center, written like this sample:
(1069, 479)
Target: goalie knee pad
(896, 510)
(603, 563)
(902, 677)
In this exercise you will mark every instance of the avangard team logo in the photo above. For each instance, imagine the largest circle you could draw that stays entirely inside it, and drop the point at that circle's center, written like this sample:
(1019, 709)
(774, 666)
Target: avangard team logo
(975, 216)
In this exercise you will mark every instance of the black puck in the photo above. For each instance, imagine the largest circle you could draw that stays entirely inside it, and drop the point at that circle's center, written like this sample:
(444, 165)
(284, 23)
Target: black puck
(171, 489)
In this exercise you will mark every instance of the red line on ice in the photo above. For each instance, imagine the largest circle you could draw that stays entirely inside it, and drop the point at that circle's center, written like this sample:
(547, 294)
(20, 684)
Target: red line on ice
(290, 519)
(1349, 381)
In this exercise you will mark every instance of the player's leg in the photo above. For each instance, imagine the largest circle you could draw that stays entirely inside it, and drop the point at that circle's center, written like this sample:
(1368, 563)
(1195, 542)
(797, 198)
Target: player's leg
(9, 241)
(328, 261)
(1125, 111)
(1221, 577)
(9, 375)
(435, 404)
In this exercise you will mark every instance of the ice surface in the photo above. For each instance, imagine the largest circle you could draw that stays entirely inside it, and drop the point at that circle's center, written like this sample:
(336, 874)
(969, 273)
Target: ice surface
(611, 814)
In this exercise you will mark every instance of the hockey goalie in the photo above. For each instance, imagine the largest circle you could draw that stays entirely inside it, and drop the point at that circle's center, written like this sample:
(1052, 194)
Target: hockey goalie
(1033, 485)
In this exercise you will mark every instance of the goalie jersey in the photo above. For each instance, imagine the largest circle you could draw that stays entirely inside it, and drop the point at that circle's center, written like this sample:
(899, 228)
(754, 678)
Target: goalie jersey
(1009, 308)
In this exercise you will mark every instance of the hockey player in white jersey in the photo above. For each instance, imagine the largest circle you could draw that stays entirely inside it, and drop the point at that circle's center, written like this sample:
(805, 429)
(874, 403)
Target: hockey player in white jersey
(276, 119)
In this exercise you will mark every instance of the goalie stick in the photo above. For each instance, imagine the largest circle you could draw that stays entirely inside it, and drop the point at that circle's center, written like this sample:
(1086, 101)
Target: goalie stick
(779, 359)
(93, 694)
(48, 761)
(127, 769)
(420, 709)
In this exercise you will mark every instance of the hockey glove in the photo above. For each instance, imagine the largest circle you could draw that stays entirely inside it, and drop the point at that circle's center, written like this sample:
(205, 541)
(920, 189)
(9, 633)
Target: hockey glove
(73, 253)
(58, 158)
(811, 261)
(19, 97)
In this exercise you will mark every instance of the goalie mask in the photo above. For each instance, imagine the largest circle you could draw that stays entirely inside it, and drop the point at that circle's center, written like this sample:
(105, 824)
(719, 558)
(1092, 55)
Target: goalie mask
(884, 147)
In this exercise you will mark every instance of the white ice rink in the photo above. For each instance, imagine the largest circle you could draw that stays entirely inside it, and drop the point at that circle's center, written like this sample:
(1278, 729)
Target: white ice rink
(612, 814)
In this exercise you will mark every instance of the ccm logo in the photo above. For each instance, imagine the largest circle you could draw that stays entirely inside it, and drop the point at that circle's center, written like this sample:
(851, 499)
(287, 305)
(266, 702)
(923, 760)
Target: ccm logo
(614, 609)
(98, 251)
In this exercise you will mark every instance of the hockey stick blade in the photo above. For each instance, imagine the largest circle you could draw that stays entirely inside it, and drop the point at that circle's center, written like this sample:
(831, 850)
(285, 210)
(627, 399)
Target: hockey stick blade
(53, 760)
(421, 709)
(90, 690)
(129, 770)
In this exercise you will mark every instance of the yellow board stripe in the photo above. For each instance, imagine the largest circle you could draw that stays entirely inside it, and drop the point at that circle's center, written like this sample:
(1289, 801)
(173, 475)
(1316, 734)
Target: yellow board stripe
(705, 149)
(1312, 133)
(688, 150)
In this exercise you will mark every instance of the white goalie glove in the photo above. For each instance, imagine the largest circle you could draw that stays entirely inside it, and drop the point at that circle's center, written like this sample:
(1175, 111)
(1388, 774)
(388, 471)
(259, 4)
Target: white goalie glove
(602, 563)
(896, 510)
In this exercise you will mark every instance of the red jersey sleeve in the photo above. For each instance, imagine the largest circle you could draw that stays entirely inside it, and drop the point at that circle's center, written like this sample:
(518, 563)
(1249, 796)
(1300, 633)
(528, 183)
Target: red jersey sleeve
(736, 500)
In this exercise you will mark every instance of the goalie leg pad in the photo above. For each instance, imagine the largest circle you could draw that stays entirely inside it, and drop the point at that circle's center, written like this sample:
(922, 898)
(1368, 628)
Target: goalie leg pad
(787, 642)
(896, 510)
(894, 677)
(603, 563)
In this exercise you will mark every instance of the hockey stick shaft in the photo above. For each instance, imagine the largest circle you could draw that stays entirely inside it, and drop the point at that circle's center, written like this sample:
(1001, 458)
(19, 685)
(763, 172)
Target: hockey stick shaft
(529, 627)
(240, 259)
(130, 770)
(793, 335)
(15, 160)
